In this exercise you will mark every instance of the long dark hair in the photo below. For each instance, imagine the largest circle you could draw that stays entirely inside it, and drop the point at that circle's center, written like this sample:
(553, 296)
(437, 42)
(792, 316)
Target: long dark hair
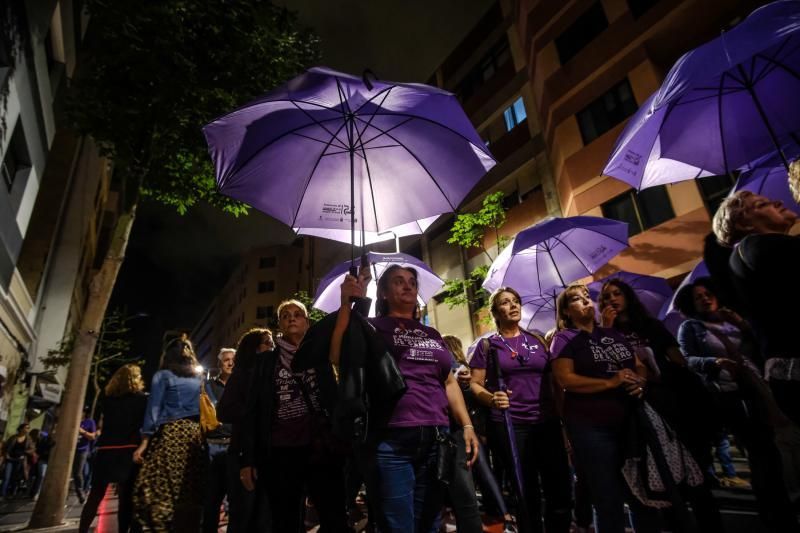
(638, 315)
(247, 348)
(179, 358)
(382, 305)
(684, 300)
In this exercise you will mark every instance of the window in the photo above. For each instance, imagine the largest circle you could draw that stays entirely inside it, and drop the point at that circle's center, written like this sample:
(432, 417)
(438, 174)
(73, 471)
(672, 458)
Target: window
(266, 262)
(643, 210)
(15, 160)
(583, 31)
(640, 7)
(714, 189)
(607, 111)
(264, 312)
(266, 286)
(514, 114)
(489, 64)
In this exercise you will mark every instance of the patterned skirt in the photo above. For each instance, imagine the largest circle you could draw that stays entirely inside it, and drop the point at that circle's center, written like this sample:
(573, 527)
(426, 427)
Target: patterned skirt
(168, 494)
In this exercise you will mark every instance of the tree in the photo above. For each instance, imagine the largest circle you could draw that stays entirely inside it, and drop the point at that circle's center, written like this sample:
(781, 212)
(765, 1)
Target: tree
(154, 73)
(111, 352)
(469, 231)
(314, 314)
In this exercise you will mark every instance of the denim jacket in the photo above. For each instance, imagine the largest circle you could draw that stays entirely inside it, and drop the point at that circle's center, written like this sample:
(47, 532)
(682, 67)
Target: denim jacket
(700, 357)
(171, 398)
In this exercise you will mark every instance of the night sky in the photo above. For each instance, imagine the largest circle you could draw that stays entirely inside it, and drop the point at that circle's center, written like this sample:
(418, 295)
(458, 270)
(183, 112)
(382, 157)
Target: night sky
(176, 265)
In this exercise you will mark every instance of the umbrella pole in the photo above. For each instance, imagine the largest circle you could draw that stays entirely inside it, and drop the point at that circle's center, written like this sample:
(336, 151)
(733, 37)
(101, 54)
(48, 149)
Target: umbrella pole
(748, 85)
(353, 269)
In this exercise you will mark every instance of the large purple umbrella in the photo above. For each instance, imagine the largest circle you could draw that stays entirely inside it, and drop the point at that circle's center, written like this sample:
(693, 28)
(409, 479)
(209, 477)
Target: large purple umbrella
(335, 151)
(328, 295)
(721, 106)
(539, 311)
(652, 291)
(555, 252)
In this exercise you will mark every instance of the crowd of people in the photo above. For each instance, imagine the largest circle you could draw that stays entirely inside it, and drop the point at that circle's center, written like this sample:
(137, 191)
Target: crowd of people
(556, 430)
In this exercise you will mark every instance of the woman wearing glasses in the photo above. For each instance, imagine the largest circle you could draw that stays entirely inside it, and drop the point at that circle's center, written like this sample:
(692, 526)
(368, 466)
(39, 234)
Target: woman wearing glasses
(524, 362)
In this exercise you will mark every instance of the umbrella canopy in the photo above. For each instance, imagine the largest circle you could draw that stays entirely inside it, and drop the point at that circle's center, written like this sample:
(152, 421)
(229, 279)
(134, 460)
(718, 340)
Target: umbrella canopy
(721, 106)
(669, 314)
(551, 254)
(651, 290)
(328, 295)
(334, 151)
(370, 237)
(539, 312)
(770, 182)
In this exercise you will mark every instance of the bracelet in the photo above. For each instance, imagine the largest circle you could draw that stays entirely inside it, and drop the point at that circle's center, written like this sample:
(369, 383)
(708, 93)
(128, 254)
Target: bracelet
(470, 426)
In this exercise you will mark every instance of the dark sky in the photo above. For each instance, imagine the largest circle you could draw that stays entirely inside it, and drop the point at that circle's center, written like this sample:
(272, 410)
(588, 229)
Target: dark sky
(177, 264)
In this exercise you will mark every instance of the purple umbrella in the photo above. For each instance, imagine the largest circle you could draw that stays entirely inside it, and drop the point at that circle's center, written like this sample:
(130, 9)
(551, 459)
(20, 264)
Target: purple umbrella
(539, 311)
(721, 106)
(334, 151)
(669, 314)
(770, 182)
(651, 290)
(555, 252)
(328, 295)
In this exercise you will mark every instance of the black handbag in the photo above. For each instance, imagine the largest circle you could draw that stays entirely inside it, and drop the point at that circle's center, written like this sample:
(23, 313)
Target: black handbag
(445, 457)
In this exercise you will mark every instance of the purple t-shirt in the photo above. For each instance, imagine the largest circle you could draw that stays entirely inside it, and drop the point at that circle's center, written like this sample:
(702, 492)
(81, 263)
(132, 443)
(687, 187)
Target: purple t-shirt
(291, 424)
(599, 354)
(83, 443)
(425, 364)
(523, 374)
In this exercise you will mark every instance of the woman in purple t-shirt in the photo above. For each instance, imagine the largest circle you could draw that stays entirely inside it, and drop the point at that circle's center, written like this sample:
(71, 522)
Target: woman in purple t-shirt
(602, 379)
(524, 362)
(402, 480)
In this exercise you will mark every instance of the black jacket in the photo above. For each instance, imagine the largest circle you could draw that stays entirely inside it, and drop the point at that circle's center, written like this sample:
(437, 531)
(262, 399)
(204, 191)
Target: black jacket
(254, 431)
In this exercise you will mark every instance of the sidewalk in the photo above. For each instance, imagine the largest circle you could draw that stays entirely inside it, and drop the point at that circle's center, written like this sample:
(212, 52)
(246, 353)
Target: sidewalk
(15, 514)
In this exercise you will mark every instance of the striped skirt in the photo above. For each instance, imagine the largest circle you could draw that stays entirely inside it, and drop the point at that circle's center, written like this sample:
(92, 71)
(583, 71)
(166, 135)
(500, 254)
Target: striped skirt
(168, 494)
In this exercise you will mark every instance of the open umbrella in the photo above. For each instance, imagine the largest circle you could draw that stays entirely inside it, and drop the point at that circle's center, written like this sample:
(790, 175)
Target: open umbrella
(328, 295)
(555, 252)
(669, 314)
(721, 106)
(335, 151)
(651, 290)
(539, 311)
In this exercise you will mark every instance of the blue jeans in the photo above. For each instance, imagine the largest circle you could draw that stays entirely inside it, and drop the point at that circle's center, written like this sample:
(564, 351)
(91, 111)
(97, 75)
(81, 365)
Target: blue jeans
(403, 476)
(11, 470)
(599, 457)
(723, 446)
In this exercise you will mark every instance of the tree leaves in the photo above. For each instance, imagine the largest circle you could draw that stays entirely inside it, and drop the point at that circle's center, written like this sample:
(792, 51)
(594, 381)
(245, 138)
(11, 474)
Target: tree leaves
(156, 72)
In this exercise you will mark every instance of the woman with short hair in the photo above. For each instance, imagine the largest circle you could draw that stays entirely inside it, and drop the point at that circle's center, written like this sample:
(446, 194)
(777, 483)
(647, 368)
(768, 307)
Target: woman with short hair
(168, 493)
(281, 431)
(122, 412)
(403, 447)
(524, 362)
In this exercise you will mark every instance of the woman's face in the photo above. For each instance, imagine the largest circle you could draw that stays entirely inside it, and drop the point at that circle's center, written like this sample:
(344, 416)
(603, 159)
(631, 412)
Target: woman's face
(579, 305)
(266, 344)
(401, 290)
(293, 321)
(704, 300)
(508, 308)
(762, 215)
(613, 296)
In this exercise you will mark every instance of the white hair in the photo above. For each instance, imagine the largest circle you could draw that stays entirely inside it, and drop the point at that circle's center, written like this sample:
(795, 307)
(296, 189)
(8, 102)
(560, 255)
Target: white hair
(223, 351)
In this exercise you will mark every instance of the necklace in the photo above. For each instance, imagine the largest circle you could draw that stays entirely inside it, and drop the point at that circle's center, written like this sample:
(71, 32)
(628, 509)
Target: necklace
(515, 352)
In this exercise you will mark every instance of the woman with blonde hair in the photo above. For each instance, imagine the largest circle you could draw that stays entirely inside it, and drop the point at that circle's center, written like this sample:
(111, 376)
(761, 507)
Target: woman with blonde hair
(168, 494)
(123, 410)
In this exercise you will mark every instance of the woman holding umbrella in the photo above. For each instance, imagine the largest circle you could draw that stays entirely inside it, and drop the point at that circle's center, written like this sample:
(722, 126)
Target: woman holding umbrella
(403, 450)
(602, 377)
(524, 362)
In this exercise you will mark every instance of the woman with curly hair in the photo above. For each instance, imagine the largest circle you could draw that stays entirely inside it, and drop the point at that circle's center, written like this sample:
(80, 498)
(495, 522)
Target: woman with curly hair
(123, 410)
(168, 494)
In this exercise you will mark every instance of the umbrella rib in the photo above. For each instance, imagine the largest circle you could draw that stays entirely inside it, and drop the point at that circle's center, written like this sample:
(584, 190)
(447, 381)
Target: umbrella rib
(268, 144)
(314, 120)
(372, 116)
(573, 253)
(371, 193)
(435, 123)
(384, 132)
(308, 180)
(343, 147)
(412, 154)
(783, 66)
(719, 118)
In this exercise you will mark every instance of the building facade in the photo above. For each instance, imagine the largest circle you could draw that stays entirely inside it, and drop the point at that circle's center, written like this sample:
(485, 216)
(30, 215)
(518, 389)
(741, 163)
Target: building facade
(57, 206)
(549, 86)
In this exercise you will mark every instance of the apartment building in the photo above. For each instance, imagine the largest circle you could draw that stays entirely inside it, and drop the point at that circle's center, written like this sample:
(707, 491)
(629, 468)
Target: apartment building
(57, 206)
